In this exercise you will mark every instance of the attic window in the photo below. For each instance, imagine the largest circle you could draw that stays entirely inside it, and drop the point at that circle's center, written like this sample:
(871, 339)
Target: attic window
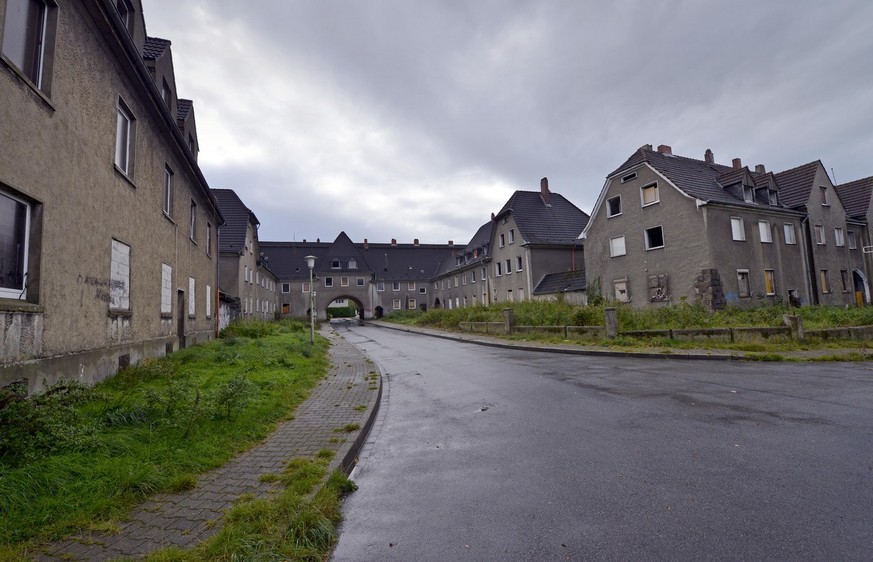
(125, 12)
(629, 177)
(613, 206)
(335, 264)
(773, 196)
(353, 264)
(748, 194)
(824, 196)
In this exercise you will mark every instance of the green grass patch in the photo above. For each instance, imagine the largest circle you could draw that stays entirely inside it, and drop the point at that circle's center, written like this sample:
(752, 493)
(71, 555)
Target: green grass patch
(83, 456)
(293, 525)
(348, 428)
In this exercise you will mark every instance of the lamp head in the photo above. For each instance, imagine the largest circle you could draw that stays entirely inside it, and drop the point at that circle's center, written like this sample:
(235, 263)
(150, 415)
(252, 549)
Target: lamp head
(310, 261)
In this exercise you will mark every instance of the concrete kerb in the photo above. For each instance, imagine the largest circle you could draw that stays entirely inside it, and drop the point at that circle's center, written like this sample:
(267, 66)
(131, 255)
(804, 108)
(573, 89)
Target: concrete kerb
(479, 340)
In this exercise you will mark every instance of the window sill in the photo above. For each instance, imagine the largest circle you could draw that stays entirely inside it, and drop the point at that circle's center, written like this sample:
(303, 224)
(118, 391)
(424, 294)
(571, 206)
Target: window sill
(42, 96)
(120, 313)
(169, 218)
(167, 315)
(15, 305)
(124, 176)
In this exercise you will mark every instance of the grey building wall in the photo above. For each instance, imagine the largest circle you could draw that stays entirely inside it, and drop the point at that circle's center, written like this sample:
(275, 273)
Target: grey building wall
(58, 156)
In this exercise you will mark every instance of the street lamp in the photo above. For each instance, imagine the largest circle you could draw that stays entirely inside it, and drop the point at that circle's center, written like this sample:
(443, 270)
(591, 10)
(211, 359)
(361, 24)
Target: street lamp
(310, 262)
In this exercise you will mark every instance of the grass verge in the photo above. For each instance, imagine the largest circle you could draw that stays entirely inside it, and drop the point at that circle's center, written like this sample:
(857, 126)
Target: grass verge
(86, 460)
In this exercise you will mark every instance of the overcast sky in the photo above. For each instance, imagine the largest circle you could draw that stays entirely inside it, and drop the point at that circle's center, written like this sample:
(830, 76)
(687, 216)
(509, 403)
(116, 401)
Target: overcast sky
(418, 119)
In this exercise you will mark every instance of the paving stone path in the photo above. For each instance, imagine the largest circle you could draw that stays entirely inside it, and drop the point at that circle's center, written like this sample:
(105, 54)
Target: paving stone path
(191, 517)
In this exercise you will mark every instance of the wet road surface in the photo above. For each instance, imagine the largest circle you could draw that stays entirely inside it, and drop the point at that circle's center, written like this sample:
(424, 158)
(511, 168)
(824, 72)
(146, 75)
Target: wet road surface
(494, 454)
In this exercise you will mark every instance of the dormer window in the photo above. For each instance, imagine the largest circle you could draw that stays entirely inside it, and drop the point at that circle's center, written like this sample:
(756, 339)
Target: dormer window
(335, 264)
(748, 194)
(125, 12)
(824, 196)
(353, 264)
(773, 197)
(166, 94)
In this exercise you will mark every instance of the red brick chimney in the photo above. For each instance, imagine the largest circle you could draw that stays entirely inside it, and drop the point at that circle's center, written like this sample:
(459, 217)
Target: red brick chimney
(415, 242)
(664, 149)
(451, 242)
(366, 244)
(394, 241)
(544, 190)
(709, 157)
(737, 163)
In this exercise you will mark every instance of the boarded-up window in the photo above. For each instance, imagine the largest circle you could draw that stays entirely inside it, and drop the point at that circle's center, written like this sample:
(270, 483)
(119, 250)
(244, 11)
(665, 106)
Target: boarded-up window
(119, 277)
(620, 290)
(658, 288)
(166, 289)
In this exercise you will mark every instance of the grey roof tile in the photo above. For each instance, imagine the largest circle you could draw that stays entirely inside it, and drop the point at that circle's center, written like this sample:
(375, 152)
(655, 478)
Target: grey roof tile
(561, 282)
(855, 196)
(559, 222)
(154, 47)
(795, 184)
(183, 109)
(232, 236)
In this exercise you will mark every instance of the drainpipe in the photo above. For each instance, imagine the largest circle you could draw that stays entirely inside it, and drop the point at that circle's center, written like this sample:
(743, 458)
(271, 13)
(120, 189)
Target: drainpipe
(809, 261)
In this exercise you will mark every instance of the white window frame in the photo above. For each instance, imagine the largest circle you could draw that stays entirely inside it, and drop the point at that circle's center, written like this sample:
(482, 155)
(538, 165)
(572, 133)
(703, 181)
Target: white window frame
(790, 234)
(412, 304)
(744, 279)
(380, 286)
(839, 237)
(620, 290)
(512, 236)
(304, 287)
(168, 191)
(823, 191)
(519, 263)
(646, 236)
(397, 304)
(770, 279)
(422, 290)
(502, 239)
(192, 222)
(844, 280)
(208, 240)
(748, 194)
(328, 282)
(617, 246)
(360, 281)
(119, 276)
(20, 291)
(853, 242)
(166, 289)
(820, 239)
(208, 301)
(738, 229)
(395, 286)
(40, 44)
(344, 281)
(655, 190)
(286, 287)
(508, 266)
(609, 213)
(825, 282)
(125, 133)
(764, 232)
(498, 269)
(192, 302)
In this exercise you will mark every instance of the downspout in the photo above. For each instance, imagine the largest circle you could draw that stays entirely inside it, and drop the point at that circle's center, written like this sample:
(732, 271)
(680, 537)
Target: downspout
(809, 261)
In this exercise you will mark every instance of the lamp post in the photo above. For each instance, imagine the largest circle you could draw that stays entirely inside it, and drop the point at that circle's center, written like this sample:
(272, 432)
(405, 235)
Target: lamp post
(310, 262)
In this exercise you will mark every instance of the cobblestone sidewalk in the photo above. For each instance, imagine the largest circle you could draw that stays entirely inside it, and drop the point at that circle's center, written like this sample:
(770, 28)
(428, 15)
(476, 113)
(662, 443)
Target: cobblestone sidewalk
(191, 517)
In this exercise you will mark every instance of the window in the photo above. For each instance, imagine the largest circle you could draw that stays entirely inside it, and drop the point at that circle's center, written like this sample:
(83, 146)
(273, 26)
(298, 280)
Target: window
(124, 135)
(410, 286)
(125, 12)
(286, 308)
(286, 288)
(629, 177)
(613, 206)
(304, 286)
(839, 240)
(650, 194)
(208, 301)
(353, 263)
(14, 240)
(192, 223)
(743, 289)
(502, 240)
(770, 281)
(456, 282)
(473, 277)
(509, 295)
(619, 290)
(764, 231)
(844, 279)
(853, 244)
(396, 304)
(167, 94)
(654, 238)
(335, 264)
(166, 289)
(192, 306)
(823, 191)
(518, 263)
(617, 247)
(484, 273)
(819, 235)
(464, 279)
(328, 281)
(508, 264)
(395, 286)
(412, 305)
(119, 277)
(28, 39)
(773, 197)
(790, 235)
(168, 191)
(825, 284)
(422, 290)
(360, 281)
(498, 269)
(511, 235)
(344, 281)
(208, 239)
(738, 230)
(748, 194)
(380, 286)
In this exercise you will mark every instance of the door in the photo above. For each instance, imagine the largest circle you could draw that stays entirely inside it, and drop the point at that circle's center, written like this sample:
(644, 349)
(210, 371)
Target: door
(180, 310)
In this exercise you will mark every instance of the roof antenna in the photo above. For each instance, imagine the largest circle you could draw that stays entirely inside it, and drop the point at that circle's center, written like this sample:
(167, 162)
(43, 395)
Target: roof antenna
(834, 175)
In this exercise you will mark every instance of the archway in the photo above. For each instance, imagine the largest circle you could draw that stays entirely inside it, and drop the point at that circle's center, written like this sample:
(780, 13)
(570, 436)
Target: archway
(345, 306)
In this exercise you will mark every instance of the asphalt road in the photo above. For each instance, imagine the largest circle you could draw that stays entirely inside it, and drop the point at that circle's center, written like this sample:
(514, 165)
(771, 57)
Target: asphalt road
(496, 454)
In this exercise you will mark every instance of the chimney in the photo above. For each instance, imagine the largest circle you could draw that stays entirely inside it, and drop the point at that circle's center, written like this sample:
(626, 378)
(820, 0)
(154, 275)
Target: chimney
(318, 240)
(647, 147)
(759, 169)
(709, 157)
(366, 244)
(415, 242)
(544, 190)
(737, 163)
(664, 149)
(492, 216)
(451, 242)
(394, 241)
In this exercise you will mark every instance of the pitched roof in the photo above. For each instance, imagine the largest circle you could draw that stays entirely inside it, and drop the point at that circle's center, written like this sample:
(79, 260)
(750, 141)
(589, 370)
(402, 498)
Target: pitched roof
(713, 183)
(286, 258)
(559, 222)
(795, 184)
(183, 108)
(561, 282)
(232, 235)
(154, 47)
(855, 196)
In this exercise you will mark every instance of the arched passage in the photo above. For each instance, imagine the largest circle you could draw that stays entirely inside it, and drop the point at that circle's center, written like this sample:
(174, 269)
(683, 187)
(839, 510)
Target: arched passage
(344, 306)
(862, 288)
